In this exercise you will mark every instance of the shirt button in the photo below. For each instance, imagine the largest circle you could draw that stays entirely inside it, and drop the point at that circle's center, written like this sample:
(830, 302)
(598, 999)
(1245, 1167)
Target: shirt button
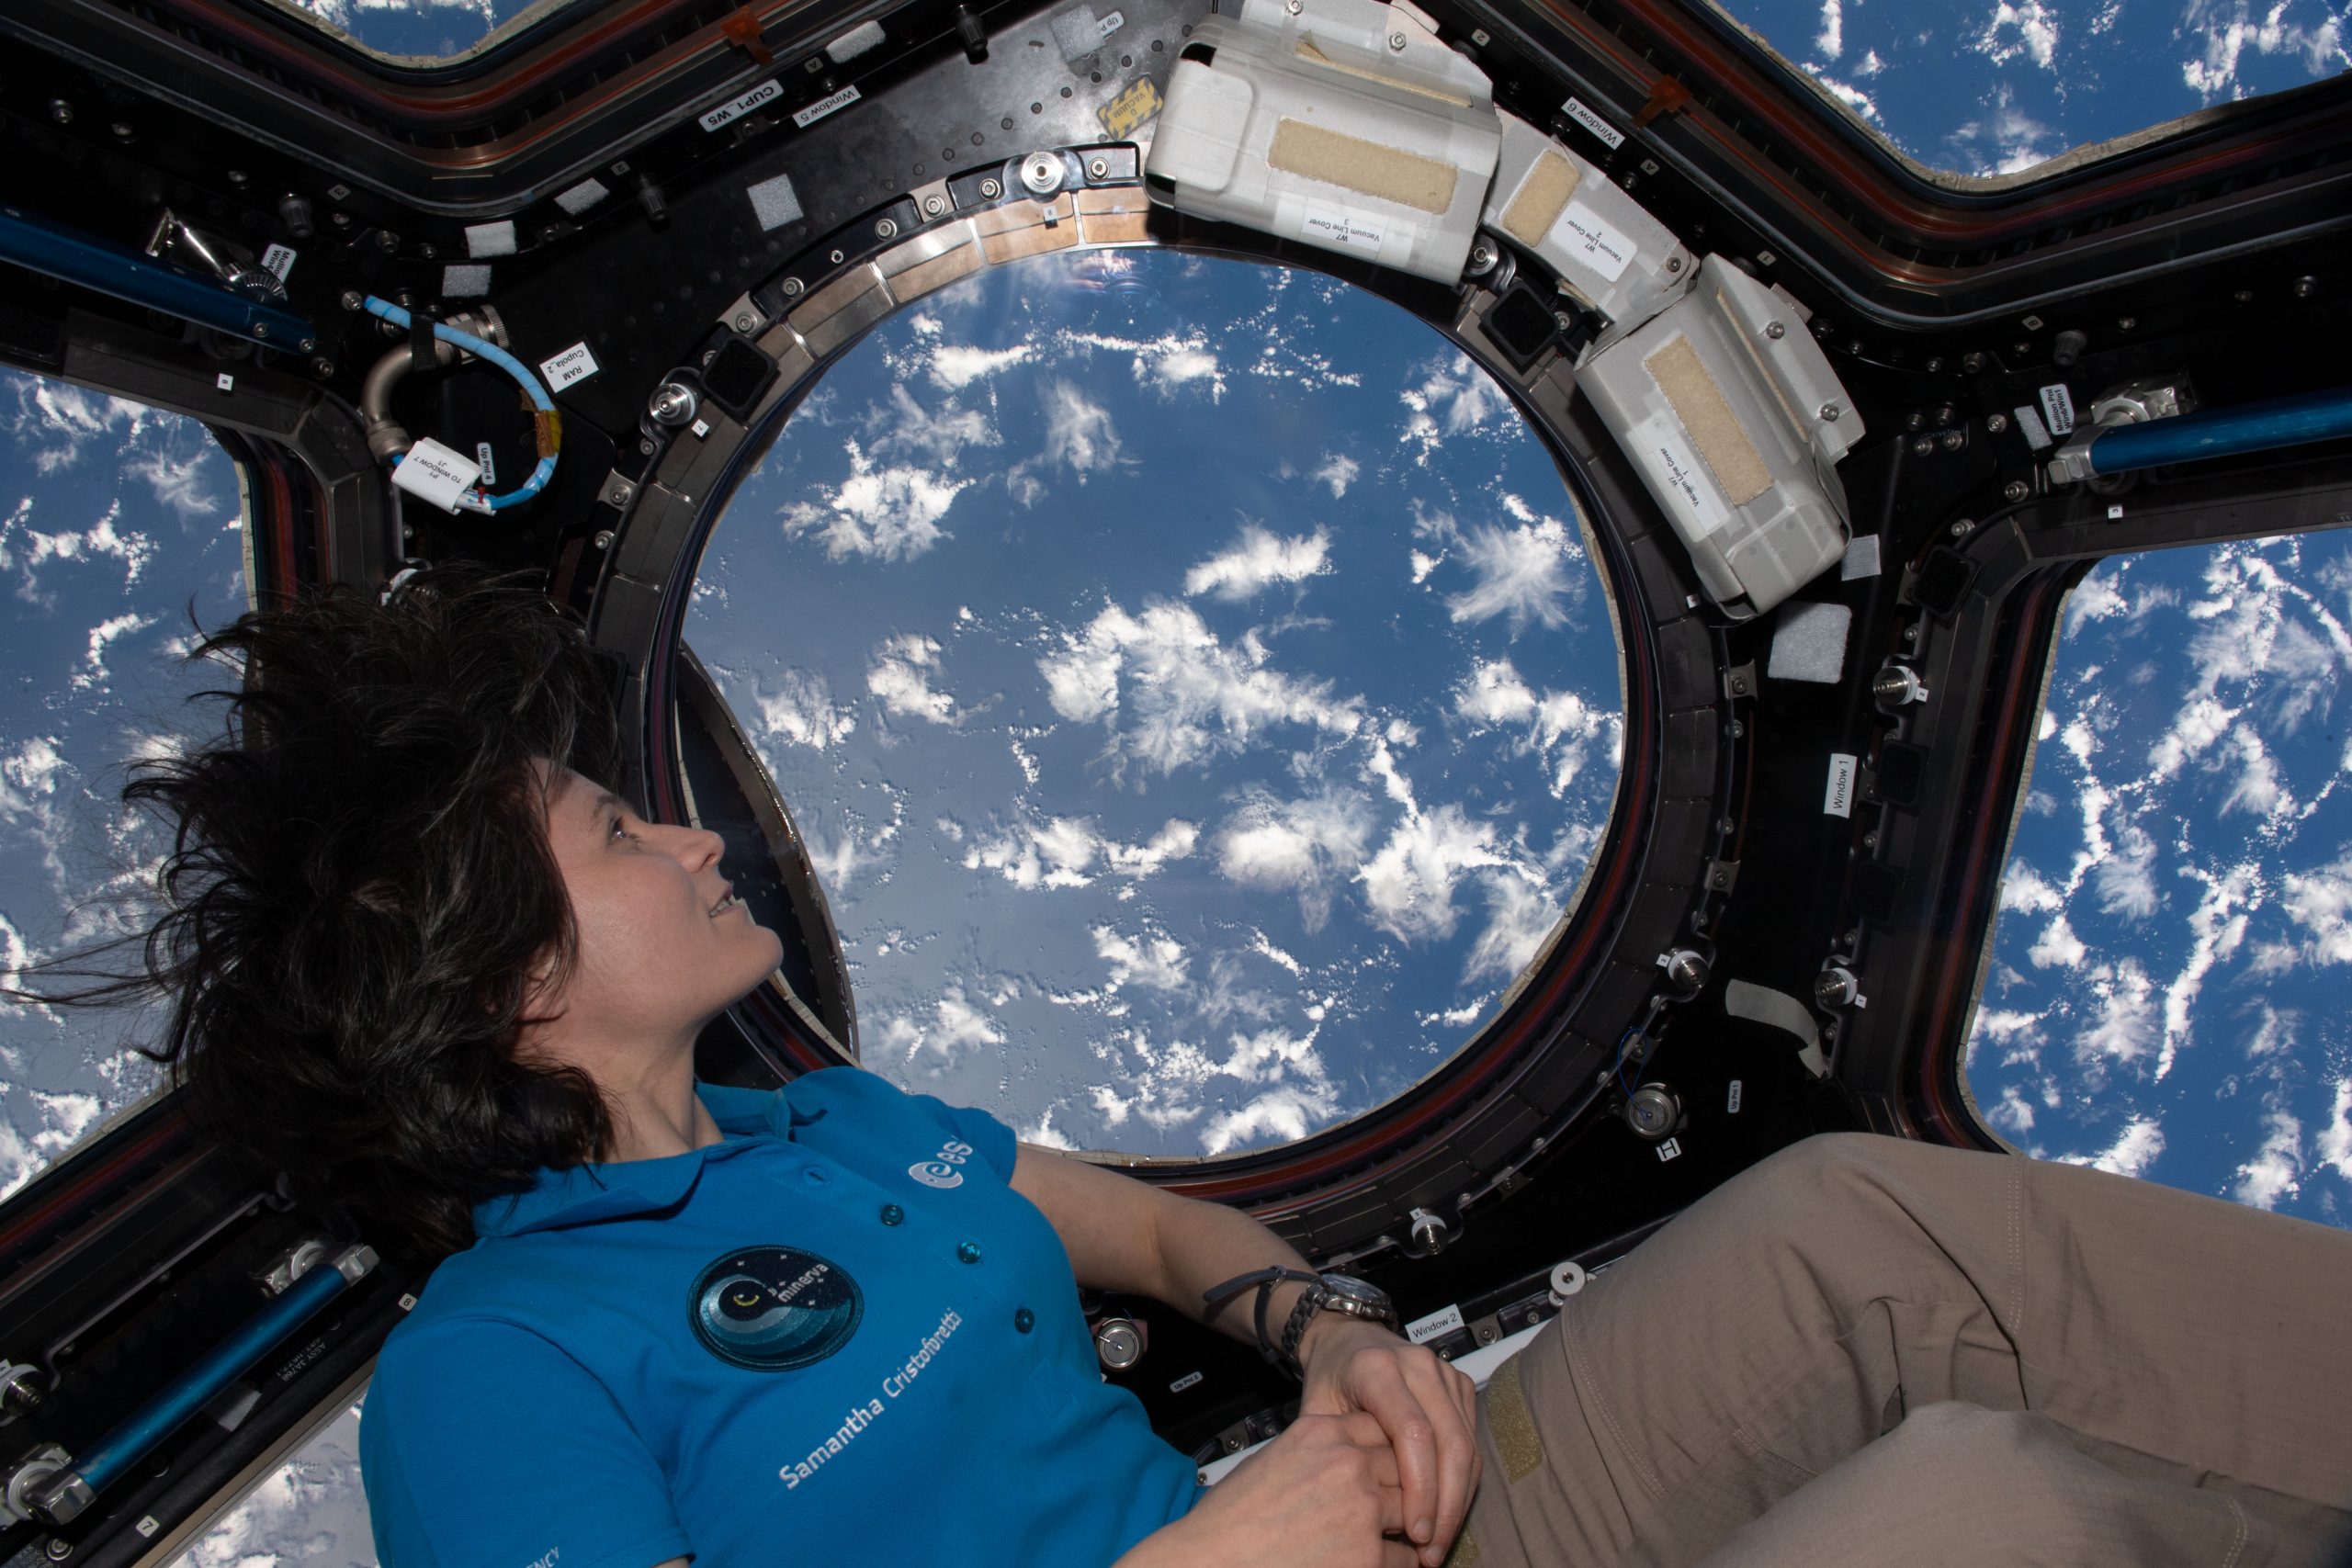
(892, 1214)
(1024, 1320)
(969, 1251)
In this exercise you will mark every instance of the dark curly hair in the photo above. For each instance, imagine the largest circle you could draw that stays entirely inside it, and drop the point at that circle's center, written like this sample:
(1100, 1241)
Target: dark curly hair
(360, 889)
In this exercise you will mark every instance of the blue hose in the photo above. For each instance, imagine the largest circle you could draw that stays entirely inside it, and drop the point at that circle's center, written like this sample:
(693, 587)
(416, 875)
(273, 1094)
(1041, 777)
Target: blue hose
(2218, 433)
(479, 500)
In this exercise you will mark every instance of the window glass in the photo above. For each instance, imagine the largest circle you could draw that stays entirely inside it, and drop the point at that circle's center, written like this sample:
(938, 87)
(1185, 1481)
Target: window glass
(118, 520)
(2166, 995)
(312, 1510)
(1998, 88)
(424, 32)
(1194, 686)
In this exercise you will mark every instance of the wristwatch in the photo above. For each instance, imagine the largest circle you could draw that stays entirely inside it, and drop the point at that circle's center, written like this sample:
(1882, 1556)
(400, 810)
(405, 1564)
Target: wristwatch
(1342, 1293)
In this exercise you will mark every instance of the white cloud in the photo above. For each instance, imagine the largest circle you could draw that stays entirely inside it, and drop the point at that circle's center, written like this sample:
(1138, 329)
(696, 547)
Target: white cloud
(1449, 400)
(1520, 912)
(1522, 572)
(1562, 727)
(901, 679)
(2276, 1170)
(930, 438)
(1154, 960)
(94, 672)
(801, 711)
(2133, 1151)
(887, 514)
(1307, 846)
(2229, 26)
(1409, 883)
(2126, 877)
(1831, 40)
(2022, 889)
(955, 367)
(2014, 1114)
(2029, 29)
(1258, 559)
(2321, 902)
(1336, 471)
(2124, 1026)
(1183, 694)
(2058, 947)
(955, 1027)
(1071, 851)
(1078, 430)
(2335, 1143)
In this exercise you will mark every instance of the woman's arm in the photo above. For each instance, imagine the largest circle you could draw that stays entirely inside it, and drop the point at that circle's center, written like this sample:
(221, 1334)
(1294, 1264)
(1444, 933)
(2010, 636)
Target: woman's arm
(1123, 1234)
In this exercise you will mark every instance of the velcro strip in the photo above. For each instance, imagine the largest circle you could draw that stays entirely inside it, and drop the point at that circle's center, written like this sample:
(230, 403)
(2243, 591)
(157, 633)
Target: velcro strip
(1698, 402)
(1543, 196)
(1366, 167)
(1308, 52)
(1466, 1550)
(1511, 1424)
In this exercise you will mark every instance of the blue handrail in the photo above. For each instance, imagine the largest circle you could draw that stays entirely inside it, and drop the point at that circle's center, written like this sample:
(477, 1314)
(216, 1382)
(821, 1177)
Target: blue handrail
(2218, 433)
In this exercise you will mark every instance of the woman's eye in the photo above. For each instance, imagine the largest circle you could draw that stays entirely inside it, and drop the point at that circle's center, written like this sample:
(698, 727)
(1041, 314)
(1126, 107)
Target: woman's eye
(619, 831)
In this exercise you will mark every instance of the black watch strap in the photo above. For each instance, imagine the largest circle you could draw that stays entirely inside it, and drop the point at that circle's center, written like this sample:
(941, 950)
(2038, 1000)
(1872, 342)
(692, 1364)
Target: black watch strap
(1265, 1280)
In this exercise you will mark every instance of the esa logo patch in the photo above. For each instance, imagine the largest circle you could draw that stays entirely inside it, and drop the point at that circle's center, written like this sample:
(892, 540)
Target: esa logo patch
(941, 1170)
(772, 1309)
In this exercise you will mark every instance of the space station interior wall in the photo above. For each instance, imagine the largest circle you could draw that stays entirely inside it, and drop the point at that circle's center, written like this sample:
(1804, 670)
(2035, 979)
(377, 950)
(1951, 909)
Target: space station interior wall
(1350, 126)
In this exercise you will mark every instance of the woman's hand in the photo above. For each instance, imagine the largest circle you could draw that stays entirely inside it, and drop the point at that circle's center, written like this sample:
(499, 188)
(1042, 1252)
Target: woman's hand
(1322, 1494)
(1427, 1410)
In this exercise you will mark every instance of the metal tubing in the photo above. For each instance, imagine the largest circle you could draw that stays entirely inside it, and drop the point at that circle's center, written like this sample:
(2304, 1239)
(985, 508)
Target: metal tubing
(64, 1496)
(2218, 433)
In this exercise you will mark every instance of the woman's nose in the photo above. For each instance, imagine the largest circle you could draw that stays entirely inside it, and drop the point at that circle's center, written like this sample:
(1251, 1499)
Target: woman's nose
(696, 847)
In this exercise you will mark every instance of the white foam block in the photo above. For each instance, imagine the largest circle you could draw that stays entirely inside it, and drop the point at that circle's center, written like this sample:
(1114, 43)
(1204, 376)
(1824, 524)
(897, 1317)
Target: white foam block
(581, 196)
(775, 202)
(464, 280)
(490, 238)
(1809, 643)
(854, 42)
(1861, 558)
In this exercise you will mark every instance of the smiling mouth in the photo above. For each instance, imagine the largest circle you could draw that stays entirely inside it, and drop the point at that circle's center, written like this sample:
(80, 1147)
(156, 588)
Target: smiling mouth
(729, 902)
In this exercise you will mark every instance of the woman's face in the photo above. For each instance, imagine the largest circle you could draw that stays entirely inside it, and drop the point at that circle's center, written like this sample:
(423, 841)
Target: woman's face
(663, 945)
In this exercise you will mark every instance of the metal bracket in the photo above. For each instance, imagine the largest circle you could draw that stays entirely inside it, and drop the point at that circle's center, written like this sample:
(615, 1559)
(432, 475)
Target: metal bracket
(1739, 681)
(1722, 875)
(618, 492)
(743, 317)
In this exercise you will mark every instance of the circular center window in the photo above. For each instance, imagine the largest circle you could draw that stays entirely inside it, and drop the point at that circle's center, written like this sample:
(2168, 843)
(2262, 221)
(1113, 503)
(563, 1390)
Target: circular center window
(1193, 682)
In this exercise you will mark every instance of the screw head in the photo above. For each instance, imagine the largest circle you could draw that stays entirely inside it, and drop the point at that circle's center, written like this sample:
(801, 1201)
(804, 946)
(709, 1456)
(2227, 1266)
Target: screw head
(887, 229)
(60, 112)
(1923, 447)
(1396, 40)
(603, 540)
(261, 329)
(992, 189)
(1963, 527)
(321, 367)
(1996, 423)
(1830, 414)
(1099, 168)
(2125, 323)
(2306, 287)
(2244, 297)
(1775, 330)
(791, 288)
(1935, 364)
(1972, 363)
(1673, 264)
(1954, 440)
(2016, 491)
(745, 321)
(1482, 256)
(934, 205)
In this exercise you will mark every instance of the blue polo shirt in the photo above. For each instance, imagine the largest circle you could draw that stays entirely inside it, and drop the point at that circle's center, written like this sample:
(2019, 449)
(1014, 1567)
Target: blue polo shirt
(837, 1337)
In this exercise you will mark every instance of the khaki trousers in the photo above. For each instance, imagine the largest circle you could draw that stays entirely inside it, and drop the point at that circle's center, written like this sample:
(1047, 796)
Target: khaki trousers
(1870, 1351)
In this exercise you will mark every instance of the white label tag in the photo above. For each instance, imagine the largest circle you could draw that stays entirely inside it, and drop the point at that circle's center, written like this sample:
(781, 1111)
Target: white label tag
(224, 382)
(279, 260)
(766, 92)
(1733, 1107)
(482, 459)
(1671, 1149)
(147, 1525)
(1109, 24)
(1341, 231)
(1592, 242)
(1437, 1326)
(1694, 504)
(2058, 403)
(433, 473)
(1594, 123)
(1837, 800)
(574, 364)
(1181, 1384)
(805, 118)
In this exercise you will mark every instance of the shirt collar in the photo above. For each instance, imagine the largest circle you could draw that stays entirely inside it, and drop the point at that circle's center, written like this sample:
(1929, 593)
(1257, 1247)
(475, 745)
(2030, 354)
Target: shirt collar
(582, 1194)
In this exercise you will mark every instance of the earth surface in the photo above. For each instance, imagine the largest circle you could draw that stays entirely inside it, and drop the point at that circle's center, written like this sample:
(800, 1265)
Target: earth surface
(1115, 601)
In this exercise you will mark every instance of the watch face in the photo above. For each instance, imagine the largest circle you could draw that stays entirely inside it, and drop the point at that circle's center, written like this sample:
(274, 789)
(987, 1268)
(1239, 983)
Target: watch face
(1358, 1297)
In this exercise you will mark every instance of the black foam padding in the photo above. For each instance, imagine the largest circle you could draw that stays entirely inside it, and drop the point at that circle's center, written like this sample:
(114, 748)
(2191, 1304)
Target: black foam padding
(1521, 325)
(1876, 887)
(1690, 753)
(1944, 581)
(1901, 767)
(1615, 1003)
(738, 376)
(1686, 663)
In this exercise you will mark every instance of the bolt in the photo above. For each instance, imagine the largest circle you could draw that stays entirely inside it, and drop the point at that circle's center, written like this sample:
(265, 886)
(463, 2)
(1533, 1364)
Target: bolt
(1397, 41)
(1775, 330)
(323, 366)
(2125, 323)
(1835, 987)
(887, 229)
(1963, 527)
(60, 112)
(1293, 7)
(238, 177)
(1673, 264)
(1972, 363)
(1100, 168)
(992, 189)
(645, 449)
(1538, 1143)
(386, 240)
(121, 128)
(1738, 729)
(2016, 491)
(745, 321)
(1935, 364)
(1726, 826)
(1996, 423)
(340, 220)
(1870, 841)
(1565, 319)
(934, 206)
(1915, 421)
(1829, 412)
(1739, 685)
(1910, 634)
(352, 300)
(791, 286)
(1482, 256)
(605, 536)
(261, 329)
(1924, 446)
(2244, 296)
(836, 257)
(58, 1548)
(1954, 440)
(2306, 287)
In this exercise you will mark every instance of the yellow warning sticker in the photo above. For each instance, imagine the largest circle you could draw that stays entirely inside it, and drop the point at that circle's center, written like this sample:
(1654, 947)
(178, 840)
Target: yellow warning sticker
(1130, 112)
